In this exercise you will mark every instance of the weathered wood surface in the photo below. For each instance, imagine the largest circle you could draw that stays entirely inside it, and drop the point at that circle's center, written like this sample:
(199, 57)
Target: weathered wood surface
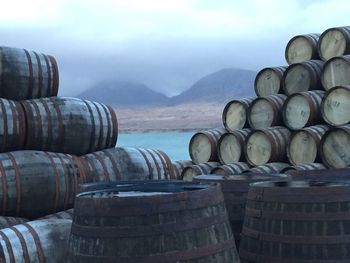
(336, 72)
(265, 112)
(27, 74)
(305, 167)
(159, 223)
(179, 166)
(269, 168)
(230, 146)
(203, 145)
(305, 145)
(36, 242)
(296, 221)
(334, 42)
(302, 48)
(267, 145)
(303, 76)
(69, 125)
(303, 109)
(335, 147)
(232, 168)
(335, 107)
(128, 164)
(35, 183)
(203, 168)
(269, 81)
(235, 114)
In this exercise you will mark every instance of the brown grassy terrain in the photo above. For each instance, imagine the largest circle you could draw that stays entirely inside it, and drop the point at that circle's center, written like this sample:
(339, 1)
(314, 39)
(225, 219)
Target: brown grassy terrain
(180, 117)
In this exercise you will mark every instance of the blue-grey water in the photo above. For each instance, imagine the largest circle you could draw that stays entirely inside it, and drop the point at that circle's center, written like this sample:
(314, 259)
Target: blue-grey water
(175, 144)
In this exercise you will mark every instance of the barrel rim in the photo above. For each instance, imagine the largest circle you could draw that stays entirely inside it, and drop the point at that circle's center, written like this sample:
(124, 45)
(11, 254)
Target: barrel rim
(327, 63)
(341, 30)
(212, 146)
(222, 137)
(274, 109)
(273, 69)
(311, 43)
(224, 113)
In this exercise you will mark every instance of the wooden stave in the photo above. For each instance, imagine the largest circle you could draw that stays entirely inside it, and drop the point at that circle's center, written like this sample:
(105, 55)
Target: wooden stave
(170, 204)
(314, 99)
(314, 68)
(277, 70)
(275, 167)
(312, 39)
(345, 32)
(232, 168)
(346, 58)
(304, 167)
(245, 103)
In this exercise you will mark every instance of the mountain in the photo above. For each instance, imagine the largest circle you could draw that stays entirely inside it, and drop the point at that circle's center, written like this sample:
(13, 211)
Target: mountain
(219, 86)
(122, 93)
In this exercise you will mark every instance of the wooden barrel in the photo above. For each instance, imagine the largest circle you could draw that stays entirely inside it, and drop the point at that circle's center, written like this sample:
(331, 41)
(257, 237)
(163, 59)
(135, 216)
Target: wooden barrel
(335, 147)
(267, 145)
(8, 221)
(335, 107)
(302, 48)
(304, 76)
(27, 74)
(269, 81)
(68, 214)
(202, 146)
(269, 168)
(35, 183)
(296, 221)
(13, 127)
(304, 167)
(232, 168)
(234, 115)
(235, 189)
(36, 241)
(204, 168)
(334, 42)
(179, 166)
(230, 146)
(128, 164)
(69, 125)
(304, 145)
(266, 111)
(336, 72)
(194, 228)
(303, 109)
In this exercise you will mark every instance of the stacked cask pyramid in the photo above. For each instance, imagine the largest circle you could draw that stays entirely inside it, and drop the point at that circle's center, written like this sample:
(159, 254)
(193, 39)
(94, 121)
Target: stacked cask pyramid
(298, 121)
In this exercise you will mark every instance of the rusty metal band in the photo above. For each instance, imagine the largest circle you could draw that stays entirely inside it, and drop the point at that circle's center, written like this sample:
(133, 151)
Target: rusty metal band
(74, 181)
(31, 77)
(29, 123)
(75, 169)
(39, 122)
(144, 205)
(104, 168)
(66, 180)
(150, 152)
(4, 189)
(40, 75)
(80, 169)
(92, 147)
(18, 182)
(169, 164)
(100, 137)
(37, 242)
(23, 244)
(109, 126)
(114, 165)
(22, 127)
(150, 168)
(48, 91)
(58, 142)
(16, 129)
(4, 116)
(165, 167)
(115, 126)
(48, 120)
(148, 230)
(168, 257)
(55, 75)
(8, 246)
(93, 174)
(57, 181)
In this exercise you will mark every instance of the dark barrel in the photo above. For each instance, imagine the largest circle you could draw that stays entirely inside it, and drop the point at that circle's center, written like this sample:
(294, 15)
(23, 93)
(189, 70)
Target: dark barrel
(69, 125)
(179, 166)
(235, 114)
(13, 126)
(158, 223)
(232, 168)
(35, 184)
(269, 81)
(235, 189)
(302, 48)
(36, 241)
(334, 42)
(27, 74)
(127, 164)
(296, 222)
(203, 168)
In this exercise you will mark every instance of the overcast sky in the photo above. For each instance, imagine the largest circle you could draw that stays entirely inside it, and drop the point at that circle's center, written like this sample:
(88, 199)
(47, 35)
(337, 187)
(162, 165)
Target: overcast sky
(165, 44)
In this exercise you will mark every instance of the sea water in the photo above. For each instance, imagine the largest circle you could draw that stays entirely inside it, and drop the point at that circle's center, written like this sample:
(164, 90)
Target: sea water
(175, 144)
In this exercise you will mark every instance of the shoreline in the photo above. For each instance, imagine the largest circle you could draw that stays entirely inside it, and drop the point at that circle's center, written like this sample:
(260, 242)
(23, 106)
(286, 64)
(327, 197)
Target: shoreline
(132, 131)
